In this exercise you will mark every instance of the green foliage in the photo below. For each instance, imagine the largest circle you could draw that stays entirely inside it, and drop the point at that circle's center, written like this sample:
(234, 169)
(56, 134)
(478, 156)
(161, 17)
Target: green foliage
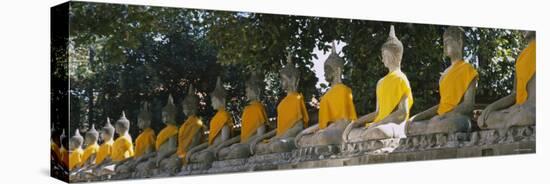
(122, 56)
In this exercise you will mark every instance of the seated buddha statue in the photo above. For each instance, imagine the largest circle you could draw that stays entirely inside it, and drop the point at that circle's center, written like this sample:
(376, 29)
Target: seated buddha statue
(457, 86)
(90, 139)
(167, 141)
(63, 150)
(103, 157)
(518, 108)
(393, 100)
(292, 116)
(336, 109)
(76, 152)
(145, 144)
(254, 118)
(219, 130)
(123, 147)
(190, 133)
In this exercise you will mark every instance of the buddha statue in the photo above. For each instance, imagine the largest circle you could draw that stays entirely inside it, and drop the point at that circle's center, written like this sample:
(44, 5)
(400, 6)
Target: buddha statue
(63, 150)
(76, 152)
(219, 131)
(292, 116)
(89, 155)
(103, 157)
(393, 100)
(457, 88)
(518, 108)
(336, 109)
(123, 147)
(254, 118)
(190, 133)
(145, 144)
(165, 160)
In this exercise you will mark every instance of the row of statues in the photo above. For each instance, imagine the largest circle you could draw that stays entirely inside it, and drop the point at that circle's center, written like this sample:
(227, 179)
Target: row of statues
(176, 146)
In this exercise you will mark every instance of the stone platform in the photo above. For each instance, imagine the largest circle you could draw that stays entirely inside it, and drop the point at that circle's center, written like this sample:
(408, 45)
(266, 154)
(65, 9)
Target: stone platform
(516, 140)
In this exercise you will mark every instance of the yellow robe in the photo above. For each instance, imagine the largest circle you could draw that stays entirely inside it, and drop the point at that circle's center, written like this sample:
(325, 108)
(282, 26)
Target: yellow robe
(389, 92)
(291, 109)
(336, 104)
(165, 134)
(186, 134)
(454, 84)
(123, 148)
(64, 156)
(144, 141)
(105, 151)
(55, 150)
(75, 158)
(221, 118)
(89, 151)
(525, 69)
(253, 117)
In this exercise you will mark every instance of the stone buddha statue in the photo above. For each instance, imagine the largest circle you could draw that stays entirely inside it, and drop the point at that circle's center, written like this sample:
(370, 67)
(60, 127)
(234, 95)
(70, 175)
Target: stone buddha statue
(63, 150)
(254, 118)
(393, 100)
(518, 108)
(145, 144)
(76, 152)
(123, 147)
(103, 157)
(457, 88)
(89, 155)
(336, 109)
(292, 116)
(190, 133)
(219, 131)
(166, 143)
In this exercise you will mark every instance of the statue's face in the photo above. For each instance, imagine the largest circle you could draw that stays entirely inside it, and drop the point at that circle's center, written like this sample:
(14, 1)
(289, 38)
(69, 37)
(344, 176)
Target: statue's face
(188, 109)
(90, 140)
(285, 82)
(142, 123)
(388, 58)
(165, 117)
(451, 46)
(119, 129)
(105, 135)
(329, 73)
(216, 103)
(250, 93)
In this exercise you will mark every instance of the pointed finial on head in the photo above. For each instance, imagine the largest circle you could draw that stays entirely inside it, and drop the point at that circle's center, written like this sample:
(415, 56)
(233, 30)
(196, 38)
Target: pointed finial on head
(288, 58)
(334, 47)
(191, 90)
(392, 32)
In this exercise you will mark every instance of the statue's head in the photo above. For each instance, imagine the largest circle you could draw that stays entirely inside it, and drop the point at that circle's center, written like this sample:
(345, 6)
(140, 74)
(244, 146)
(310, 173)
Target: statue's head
(108, 131)
(290, 76)
(453, 42)
(122, 125)
(144, 117)
(530, 35)
(63, 139)
(254, 86)
(169, 111)
(333, 66)
(190, 102)
(91, 136)
(76, 141)
(392, 50)
(218, 95)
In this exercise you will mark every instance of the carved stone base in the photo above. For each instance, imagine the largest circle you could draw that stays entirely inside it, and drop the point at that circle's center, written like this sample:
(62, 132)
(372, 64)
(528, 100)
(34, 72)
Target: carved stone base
(515, 140)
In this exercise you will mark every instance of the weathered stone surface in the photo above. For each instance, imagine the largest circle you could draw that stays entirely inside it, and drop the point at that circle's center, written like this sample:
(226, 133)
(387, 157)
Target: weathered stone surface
(516, 140)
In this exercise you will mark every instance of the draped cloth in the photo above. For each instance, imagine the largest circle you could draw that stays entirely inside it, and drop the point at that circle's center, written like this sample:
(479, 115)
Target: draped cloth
(525, 69)
(389, 92)
(336, 104)
(253, 117)
(291, 109)
(454, 84)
